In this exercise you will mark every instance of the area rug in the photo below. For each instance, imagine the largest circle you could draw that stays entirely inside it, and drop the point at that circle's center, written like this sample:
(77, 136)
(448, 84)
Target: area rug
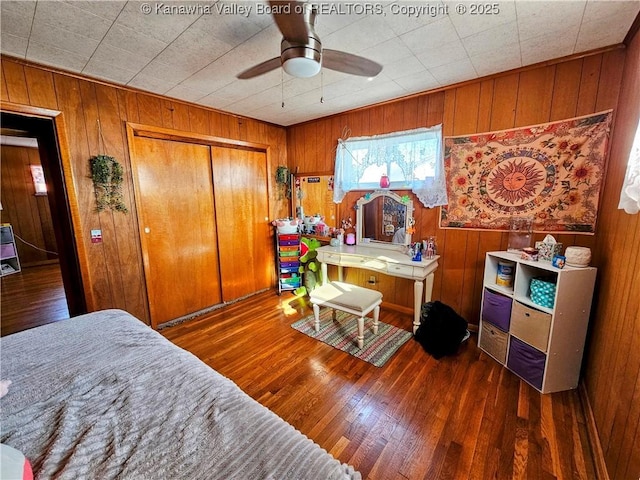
(550, 173)
(342, 334)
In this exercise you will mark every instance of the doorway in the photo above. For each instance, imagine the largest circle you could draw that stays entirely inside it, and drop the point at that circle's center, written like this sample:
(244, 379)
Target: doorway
(43, 130)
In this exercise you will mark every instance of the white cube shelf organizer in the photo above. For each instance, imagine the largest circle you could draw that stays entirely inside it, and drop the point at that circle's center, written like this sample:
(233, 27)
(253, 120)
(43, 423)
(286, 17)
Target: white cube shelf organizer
(543, 345)
(9, 261)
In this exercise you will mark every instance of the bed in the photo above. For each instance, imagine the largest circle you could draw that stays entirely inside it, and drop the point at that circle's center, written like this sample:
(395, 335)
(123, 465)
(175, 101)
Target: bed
(103, 396)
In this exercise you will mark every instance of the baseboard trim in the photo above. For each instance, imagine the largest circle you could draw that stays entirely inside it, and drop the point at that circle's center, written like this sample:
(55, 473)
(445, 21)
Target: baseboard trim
(472, 327)
(39, 263)
(592, 434)
(204, 311)
(397, 308)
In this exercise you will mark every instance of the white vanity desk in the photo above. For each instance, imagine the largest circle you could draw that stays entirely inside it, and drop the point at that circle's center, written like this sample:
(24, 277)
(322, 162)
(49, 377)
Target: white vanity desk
(389, 262)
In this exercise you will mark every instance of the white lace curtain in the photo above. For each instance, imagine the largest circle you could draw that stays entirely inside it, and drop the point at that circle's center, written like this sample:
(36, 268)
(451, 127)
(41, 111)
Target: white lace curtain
(630, 194)
(412, 159)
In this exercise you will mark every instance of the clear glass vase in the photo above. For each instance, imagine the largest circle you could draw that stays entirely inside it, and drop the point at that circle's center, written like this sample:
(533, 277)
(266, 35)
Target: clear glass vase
(520, 233)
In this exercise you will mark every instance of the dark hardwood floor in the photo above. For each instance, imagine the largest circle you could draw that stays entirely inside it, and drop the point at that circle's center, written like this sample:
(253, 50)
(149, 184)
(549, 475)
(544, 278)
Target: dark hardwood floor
(35, 296)
(460, 417)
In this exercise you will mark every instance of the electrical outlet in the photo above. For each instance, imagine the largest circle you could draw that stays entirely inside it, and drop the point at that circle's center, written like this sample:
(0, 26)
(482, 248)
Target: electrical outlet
(372, 280)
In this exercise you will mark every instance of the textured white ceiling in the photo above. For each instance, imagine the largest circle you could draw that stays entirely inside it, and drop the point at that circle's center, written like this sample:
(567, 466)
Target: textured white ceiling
(194, 50)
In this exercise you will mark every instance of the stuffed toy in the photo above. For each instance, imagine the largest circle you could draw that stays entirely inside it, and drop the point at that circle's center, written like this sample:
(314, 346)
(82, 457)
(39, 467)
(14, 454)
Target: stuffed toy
(310, 266)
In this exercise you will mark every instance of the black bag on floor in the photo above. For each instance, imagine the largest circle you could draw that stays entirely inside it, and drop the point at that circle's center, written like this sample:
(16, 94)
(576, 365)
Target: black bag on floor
(441, 329)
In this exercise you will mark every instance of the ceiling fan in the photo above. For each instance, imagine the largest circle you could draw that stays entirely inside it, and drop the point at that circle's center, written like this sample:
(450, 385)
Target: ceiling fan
(301, 52)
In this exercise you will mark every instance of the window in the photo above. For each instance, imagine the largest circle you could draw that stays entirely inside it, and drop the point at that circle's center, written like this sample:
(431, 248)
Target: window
(630, 194)
(412, 159)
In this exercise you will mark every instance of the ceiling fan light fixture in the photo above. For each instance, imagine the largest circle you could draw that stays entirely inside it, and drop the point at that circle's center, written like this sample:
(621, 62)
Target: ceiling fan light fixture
(301, 67)
(301, 52)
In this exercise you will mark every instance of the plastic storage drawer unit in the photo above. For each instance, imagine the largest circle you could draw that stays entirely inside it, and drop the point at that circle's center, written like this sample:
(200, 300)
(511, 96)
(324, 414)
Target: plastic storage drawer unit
(496, 309)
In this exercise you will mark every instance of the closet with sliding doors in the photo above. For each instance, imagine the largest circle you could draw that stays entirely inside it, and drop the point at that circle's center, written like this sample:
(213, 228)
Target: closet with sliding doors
(203, 220)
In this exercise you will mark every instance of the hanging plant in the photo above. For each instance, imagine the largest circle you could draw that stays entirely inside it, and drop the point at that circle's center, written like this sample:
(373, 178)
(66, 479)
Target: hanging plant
(283, 177)
(107, 176)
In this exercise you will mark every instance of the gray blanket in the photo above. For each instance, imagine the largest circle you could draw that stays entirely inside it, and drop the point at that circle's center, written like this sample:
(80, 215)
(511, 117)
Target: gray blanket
(104, 396)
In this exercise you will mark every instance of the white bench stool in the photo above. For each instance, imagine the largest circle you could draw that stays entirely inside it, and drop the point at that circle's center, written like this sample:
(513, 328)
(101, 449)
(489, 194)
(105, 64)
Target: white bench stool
(348, 298)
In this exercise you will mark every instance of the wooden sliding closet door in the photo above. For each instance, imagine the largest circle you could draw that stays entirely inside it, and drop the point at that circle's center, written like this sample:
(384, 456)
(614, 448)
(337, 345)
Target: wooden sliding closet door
(174, 196)
(242, 213)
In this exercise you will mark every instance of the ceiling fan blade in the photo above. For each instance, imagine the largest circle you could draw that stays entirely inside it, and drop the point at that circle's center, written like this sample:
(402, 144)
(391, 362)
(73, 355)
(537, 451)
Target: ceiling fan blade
(349, 63)
(260, 69)
(291, 19)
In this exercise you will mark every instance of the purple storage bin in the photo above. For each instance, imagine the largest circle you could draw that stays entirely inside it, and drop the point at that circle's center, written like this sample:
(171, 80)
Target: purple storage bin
(527, 362)
(496, 309)
(7, 250)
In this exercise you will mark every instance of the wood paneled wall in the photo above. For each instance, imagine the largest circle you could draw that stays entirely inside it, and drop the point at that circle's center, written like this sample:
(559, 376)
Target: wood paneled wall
(612, 368)
(550, 92)
(115, 265)
(29, 214)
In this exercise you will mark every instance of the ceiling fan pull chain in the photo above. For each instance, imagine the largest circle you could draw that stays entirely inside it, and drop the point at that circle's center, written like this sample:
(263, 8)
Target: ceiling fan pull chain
(282, 86)
(321, 86)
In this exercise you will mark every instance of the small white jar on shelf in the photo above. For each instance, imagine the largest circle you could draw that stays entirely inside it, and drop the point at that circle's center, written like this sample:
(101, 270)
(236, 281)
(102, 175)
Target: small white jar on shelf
(578, 256)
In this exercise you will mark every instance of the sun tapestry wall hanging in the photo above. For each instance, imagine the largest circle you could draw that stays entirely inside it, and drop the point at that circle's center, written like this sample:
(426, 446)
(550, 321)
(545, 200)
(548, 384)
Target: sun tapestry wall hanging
(551, 173)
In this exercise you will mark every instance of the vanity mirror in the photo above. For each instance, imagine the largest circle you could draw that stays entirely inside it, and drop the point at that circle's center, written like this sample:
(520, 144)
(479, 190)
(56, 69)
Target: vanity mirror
(313, 194)
(383, 220)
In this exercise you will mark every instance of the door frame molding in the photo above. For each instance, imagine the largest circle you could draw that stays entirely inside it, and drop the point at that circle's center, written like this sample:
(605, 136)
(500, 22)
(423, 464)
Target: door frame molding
(161, 133)
(66, 208)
